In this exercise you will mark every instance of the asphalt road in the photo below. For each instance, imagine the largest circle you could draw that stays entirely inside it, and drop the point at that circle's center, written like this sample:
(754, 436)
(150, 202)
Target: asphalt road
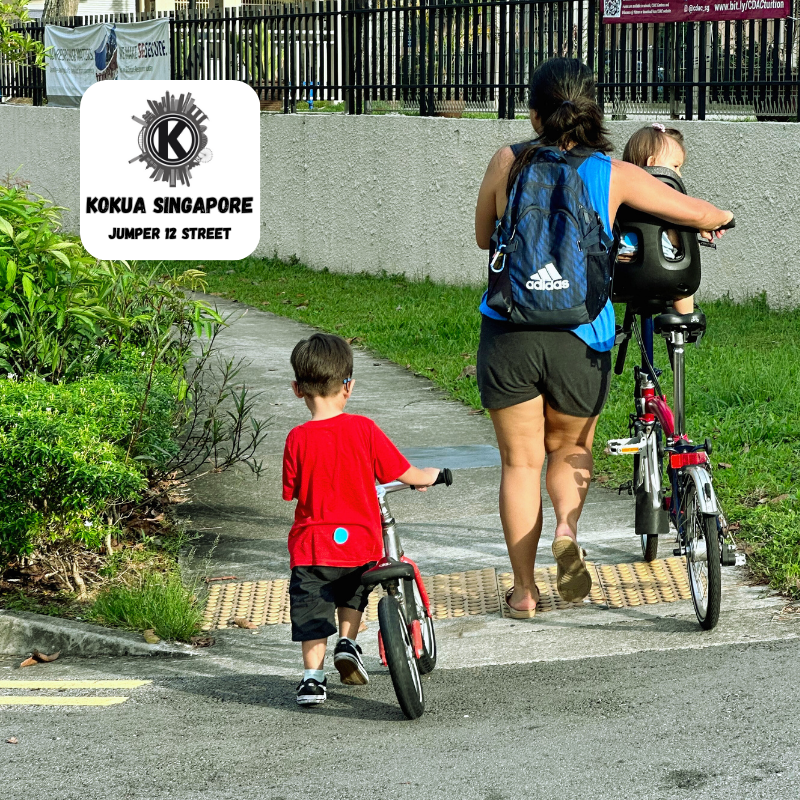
(702, 723)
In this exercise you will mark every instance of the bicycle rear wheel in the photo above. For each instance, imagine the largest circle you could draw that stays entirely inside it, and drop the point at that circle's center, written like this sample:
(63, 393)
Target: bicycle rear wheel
(701, 540)
(427, 661)
(400, 657)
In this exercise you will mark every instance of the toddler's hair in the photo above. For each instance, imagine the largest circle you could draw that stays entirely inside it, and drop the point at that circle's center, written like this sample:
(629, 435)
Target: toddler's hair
(321, 364)
(650, 141)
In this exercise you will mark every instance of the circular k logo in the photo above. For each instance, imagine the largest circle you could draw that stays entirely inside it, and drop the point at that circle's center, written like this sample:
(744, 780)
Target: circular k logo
(173, 139)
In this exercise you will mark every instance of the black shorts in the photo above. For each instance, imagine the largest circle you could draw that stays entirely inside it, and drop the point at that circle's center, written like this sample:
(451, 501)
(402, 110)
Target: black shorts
(516, 364)
(316, 592)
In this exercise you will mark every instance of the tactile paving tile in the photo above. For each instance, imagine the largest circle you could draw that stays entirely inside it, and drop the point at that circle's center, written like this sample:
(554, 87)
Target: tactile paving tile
(470, 593)
(640, 583)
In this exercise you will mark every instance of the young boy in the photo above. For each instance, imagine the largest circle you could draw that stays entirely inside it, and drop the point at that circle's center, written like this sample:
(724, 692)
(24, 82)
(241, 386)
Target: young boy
(330, 465)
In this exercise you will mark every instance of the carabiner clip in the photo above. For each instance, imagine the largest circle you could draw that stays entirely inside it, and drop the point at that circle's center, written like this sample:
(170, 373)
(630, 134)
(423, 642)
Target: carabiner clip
(497, 254)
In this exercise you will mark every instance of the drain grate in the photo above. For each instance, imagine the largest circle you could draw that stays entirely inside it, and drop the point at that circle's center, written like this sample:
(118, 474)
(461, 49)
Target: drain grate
(470, 593)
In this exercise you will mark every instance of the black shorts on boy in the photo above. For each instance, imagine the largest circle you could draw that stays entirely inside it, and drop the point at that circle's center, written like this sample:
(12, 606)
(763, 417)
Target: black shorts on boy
(316, 592)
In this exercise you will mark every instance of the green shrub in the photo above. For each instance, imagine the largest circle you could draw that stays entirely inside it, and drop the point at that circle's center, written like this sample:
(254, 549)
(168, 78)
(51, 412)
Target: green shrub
(64, 453)
(160, 602)
(64, 314)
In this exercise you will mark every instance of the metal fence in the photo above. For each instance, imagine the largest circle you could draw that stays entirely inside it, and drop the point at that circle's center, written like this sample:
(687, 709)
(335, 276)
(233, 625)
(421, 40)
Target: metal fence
(455, 58)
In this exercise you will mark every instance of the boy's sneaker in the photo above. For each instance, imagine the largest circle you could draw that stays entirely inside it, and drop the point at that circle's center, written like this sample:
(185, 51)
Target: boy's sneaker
(311, 692)
(347, 659)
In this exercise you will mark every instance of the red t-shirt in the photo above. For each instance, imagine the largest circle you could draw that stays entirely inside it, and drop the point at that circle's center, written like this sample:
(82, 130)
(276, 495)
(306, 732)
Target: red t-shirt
(330, 467)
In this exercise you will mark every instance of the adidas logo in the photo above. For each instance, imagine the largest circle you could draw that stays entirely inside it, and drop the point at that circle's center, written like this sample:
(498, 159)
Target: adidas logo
(547, 279)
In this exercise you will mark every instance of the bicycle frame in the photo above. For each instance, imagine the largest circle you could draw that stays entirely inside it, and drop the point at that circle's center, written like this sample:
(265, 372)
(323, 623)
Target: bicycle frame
(686, 460)
(396, 572)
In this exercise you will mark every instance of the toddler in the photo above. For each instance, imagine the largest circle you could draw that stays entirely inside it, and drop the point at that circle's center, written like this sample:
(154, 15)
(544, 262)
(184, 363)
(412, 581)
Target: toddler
(330, 465)
(658, 146)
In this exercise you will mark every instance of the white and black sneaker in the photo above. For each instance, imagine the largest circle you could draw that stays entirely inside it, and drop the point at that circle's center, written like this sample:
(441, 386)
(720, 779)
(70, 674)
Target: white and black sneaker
(311, 692)
(347, 659)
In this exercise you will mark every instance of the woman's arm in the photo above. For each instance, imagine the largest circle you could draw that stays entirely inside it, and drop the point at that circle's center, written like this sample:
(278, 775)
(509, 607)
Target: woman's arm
(632, 186)
(492, 196)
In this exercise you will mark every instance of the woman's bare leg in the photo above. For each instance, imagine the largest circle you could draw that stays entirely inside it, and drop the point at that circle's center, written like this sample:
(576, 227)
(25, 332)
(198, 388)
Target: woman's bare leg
(520, 437)
(568, 443)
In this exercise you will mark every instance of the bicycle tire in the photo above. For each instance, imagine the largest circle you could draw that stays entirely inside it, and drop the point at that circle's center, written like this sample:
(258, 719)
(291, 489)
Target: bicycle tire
(400, 657)
(427, 660)
(701, 540)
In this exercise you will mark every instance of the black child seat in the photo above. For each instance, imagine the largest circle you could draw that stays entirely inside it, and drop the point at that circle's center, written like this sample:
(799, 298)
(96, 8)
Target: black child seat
(658, 262)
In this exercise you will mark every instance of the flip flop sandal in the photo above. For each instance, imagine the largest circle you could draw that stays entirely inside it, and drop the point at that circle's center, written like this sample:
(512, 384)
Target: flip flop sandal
(573, 580)
(519, 613)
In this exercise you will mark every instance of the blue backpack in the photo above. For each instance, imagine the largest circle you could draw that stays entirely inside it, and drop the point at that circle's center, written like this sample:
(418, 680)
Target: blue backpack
(551, 259)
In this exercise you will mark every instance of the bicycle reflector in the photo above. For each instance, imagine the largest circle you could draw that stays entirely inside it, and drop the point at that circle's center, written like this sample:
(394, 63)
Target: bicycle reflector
(678, 460)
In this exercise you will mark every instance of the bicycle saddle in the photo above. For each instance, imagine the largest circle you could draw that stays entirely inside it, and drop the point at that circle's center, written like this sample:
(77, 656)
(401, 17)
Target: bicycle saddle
(670, 321)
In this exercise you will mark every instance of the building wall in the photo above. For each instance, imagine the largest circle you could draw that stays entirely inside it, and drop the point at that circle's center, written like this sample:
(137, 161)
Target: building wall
(398, 193)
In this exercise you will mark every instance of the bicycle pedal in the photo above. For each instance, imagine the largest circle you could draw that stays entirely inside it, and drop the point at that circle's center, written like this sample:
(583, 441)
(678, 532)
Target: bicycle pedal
(625, 447)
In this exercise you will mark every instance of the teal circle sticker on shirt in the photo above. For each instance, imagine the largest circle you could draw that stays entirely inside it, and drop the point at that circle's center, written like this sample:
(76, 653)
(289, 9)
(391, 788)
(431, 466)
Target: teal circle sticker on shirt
(340, 535)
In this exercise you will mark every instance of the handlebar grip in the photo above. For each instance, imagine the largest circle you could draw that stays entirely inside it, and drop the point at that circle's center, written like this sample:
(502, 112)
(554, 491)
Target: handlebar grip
(728, 225)
(445, 477)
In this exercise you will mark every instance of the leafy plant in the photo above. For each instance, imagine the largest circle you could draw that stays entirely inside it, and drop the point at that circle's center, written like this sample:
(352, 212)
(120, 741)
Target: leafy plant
(16, 46)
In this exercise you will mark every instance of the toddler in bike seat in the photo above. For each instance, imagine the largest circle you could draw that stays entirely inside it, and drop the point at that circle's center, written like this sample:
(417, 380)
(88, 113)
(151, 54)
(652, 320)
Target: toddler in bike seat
(656, 146)
(330, 465)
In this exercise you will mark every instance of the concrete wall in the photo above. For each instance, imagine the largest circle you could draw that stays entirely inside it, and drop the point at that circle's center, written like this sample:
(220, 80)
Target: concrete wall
(398, 193)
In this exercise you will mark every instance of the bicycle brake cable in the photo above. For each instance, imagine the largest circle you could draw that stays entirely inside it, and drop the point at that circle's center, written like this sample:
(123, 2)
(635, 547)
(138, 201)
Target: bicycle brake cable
(650, 366)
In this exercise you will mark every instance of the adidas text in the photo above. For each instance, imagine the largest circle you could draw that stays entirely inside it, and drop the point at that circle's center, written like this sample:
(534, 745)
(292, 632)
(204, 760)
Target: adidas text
(546, 286)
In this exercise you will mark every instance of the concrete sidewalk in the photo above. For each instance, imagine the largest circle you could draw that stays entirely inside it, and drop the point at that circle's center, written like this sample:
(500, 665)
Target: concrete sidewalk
(243, 523)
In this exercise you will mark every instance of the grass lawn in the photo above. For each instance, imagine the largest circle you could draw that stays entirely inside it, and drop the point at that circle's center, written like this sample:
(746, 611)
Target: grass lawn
(743, 382)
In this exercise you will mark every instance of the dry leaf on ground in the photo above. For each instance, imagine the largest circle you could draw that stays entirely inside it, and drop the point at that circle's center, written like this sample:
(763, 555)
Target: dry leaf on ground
(222, 578)
(44, 658)
(243, 622)
(12, 740)
(723, 465)
(39, 658)
(202, 641)
(470, 371)
(780, 498)
(150, 636)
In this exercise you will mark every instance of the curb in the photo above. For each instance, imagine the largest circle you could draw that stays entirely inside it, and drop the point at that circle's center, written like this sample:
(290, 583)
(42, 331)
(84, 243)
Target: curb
(22, 632)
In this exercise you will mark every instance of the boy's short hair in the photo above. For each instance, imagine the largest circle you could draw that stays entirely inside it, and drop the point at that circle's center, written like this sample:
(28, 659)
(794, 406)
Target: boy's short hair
(650, 141)
(322, 363)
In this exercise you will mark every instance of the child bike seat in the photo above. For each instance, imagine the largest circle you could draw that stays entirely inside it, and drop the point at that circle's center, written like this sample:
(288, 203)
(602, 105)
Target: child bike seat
(657, 262)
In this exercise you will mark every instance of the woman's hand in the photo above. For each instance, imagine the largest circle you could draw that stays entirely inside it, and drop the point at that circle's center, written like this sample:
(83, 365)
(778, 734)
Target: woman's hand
(709, 235)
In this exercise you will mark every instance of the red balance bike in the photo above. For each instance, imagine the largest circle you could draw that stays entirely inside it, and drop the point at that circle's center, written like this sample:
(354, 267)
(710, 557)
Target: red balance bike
(406, 639)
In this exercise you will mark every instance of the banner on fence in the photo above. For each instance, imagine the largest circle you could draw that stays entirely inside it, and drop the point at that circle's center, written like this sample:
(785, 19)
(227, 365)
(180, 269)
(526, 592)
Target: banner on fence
(617, 11)
(81, 57)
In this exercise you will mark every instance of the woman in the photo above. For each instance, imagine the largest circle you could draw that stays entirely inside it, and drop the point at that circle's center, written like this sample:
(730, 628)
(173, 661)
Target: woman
(544, 389)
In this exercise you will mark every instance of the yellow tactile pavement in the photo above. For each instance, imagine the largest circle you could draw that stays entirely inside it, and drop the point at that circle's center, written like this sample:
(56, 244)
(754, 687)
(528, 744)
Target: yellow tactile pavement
(470, 593)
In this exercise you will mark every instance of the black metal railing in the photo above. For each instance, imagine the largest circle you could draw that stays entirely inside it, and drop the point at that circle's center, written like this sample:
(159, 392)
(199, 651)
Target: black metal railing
(453, 57)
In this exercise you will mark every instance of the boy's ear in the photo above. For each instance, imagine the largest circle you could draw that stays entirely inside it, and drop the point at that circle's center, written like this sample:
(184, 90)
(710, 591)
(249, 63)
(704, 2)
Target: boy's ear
(348, 389)
(296, 390)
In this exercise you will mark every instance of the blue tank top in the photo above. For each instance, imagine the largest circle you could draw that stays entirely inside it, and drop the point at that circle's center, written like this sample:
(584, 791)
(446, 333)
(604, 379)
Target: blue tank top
(595, 172)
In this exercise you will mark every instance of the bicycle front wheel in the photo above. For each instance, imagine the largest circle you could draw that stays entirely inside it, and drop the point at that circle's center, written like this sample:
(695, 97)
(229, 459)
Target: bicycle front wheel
(701, 540)
(400, 657)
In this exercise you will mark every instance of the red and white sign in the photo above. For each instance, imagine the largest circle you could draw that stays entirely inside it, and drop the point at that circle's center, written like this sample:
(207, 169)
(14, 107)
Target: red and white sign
(618, 11)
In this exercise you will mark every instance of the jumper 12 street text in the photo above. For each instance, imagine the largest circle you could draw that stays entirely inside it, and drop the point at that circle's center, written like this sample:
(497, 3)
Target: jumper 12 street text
(169, 233)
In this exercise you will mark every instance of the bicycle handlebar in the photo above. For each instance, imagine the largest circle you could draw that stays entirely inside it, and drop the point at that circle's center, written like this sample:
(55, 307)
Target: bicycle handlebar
(445, 476)
(728, 225)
